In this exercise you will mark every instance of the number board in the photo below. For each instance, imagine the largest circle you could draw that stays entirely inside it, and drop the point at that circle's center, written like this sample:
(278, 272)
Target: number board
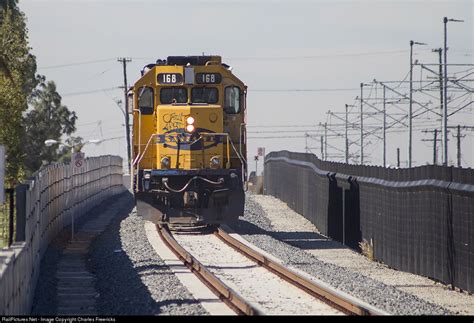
(170, 78)
(208, 78)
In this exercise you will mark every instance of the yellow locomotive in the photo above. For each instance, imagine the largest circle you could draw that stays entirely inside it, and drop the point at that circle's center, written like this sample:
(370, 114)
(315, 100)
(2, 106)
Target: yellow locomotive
(189, 141)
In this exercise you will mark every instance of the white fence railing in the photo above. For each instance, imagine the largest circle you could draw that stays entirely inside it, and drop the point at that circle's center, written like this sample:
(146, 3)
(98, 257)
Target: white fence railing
(51, 199)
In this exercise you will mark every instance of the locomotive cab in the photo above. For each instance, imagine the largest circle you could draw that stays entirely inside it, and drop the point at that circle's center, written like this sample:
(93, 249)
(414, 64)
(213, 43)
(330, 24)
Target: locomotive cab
(189, 149)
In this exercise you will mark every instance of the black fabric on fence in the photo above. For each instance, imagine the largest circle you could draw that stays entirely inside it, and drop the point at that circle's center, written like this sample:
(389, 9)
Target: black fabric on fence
(419, 220)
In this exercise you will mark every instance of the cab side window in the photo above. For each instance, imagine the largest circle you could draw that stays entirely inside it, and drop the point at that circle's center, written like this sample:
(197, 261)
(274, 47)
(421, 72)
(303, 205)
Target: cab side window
(145, 100)
(232, 100)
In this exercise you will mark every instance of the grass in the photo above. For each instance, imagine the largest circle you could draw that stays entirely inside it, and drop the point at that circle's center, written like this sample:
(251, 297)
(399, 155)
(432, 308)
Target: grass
(367, 249)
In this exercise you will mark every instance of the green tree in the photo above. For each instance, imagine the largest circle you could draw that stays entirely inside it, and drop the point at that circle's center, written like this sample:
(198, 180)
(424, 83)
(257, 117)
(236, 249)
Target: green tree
(17, 81)
(47, 119)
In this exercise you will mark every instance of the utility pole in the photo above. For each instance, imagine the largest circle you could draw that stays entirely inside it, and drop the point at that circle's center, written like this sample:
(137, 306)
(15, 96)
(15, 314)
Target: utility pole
(124, 62)
(325, 141)
(435, 144)
(347, 140)
(398, 157)
(384, 130)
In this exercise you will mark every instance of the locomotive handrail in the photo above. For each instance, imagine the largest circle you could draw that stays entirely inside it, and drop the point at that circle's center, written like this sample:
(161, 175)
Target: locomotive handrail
(212, 63)
(140, 157)
(242, 125)
(240, 140)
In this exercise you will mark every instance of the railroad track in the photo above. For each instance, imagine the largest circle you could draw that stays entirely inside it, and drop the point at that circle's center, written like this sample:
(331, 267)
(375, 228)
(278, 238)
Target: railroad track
(315, 297)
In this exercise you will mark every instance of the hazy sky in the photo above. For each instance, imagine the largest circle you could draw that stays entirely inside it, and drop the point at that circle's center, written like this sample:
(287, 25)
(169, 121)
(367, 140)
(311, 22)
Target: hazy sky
(275, 47)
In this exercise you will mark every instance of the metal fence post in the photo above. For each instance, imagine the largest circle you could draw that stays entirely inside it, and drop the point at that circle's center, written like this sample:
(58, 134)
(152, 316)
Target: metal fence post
(73, 186)
(11, 212)
(20, 212)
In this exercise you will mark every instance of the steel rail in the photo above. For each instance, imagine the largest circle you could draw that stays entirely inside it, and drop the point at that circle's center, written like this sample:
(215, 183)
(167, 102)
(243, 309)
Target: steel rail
(225, 293)
(327, 295)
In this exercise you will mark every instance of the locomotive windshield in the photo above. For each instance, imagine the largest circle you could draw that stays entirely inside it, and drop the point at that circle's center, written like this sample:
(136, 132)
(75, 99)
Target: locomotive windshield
(173, 95)
(204, 95)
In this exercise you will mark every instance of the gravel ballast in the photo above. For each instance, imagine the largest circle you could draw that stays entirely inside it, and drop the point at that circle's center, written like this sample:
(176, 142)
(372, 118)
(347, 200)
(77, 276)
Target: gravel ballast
(257, 228)
(132, 279)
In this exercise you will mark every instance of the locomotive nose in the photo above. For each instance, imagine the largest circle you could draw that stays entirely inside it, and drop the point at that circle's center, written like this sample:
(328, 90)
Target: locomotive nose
(188, 136)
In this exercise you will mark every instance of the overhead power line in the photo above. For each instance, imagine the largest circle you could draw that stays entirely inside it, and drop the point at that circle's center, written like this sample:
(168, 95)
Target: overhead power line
(76, 63)
(282, 126)
(267, 58)
(90, 91)
(303, 90)
(270, 58)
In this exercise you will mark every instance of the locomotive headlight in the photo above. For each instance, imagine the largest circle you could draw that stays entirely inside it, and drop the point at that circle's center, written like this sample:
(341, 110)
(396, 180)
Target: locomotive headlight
(189, 128)
(215, 162)
(165, 162)
(190, 120)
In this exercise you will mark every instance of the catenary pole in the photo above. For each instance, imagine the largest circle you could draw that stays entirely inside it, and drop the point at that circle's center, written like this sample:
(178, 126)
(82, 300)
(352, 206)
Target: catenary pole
(384, 130)
(322, 148)
(325, 141)
(398, 157)
(410, 106)
(361, 125)
(445, 108)
(441, 95)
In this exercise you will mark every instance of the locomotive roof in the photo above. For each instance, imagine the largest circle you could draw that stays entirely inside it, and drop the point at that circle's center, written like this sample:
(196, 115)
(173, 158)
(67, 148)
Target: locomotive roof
(185, 61)
(191, 60)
